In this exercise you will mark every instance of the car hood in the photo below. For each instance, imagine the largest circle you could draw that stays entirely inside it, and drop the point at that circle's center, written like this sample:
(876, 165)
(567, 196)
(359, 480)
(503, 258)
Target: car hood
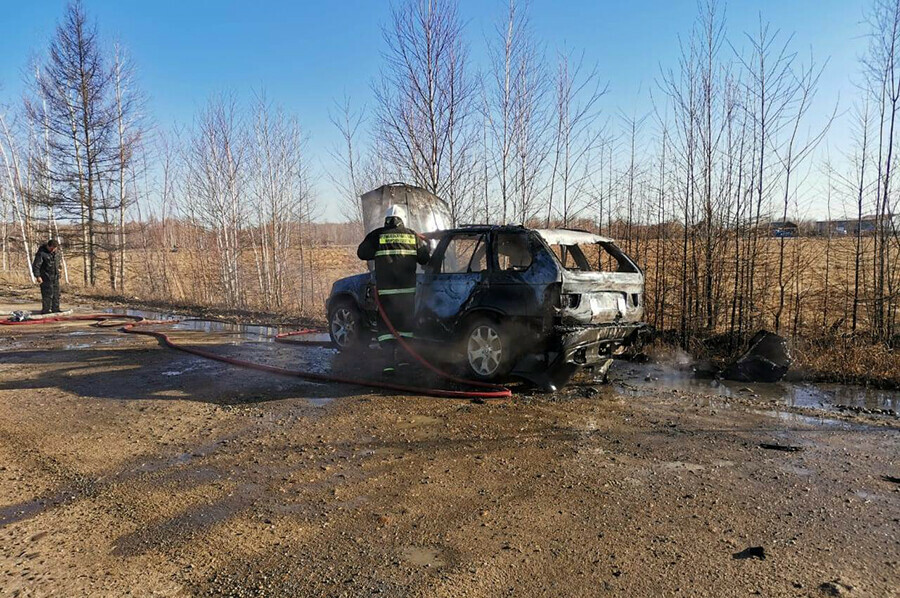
(425, 212)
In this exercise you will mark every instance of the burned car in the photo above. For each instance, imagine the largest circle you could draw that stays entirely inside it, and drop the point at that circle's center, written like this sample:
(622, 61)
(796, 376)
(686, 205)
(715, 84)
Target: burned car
(510, 301)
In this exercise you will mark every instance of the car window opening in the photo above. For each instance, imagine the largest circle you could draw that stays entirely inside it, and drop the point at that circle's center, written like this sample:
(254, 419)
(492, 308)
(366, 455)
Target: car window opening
(464, 254)
(592, 257)
(513, 252)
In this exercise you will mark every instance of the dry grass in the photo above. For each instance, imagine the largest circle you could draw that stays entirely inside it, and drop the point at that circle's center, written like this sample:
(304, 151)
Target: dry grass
(850, 361)
(189, 279)
(817, 317)
(818, 278)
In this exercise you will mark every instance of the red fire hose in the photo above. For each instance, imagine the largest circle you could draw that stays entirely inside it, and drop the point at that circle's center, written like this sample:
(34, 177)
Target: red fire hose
(496, 392)
(421, 360)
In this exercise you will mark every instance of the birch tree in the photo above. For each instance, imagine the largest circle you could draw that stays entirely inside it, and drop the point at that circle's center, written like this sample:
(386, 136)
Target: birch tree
(424, 100)
(280, 189)
(214, 187)
(75, 86)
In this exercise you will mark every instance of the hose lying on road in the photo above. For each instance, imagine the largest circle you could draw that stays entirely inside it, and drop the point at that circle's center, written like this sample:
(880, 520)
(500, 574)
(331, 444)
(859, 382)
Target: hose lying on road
(412, 353)
(496, 392)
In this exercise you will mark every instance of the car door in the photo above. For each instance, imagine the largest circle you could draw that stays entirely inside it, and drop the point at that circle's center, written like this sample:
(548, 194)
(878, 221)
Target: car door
(520, 276)
(455, 276)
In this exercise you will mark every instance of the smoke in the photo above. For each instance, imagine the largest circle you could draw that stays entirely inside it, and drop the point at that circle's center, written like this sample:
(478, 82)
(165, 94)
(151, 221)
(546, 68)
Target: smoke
(681, 358)
(666, 354)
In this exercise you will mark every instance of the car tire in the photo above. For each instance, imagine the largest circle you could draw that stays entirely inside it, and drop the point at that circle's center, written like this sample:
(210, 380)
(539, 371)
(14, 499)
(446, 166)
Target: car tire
(487, 349)
(345, 325)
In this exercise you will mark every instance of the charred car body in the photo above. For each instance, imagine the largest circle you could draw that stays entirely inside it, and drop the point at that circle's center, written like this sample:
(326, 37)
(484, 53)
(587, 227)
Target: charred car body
(507, 300)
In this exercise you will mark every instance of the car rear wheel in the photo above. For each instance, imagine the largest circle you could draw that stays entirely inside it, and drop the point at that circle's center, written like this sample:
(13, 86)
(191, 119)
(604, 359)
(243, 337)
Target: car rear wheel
(487, 349)
(345, 326)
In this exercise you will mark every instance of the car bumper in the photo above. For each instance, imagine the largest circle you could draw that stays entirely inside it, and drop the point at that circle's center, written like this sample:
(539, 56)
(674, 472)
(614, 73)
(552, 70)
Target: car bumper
(595, 344)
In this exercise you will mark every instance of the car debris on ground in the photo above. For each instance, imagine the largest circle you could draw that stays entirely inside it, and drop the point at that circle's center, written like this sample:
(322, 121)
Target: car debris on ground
(766, 360)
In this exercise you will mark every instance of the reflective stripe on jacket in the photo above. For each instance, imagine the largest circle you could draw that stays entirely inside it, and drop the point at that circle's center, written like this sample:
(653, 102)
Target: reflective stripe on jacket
(396, 251)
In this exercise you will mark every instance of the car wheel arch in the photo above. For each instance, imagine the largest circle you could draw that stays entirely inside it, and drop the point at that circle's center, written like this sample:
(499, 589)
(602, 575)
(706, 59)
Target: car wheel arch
(344, 296)
(470, 316)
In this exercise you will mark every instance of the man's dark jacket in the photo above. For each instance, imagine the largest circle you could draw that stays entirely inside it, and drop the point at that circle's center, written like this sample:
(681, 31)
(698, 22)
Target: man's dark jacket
(396, 251)
(44, 265)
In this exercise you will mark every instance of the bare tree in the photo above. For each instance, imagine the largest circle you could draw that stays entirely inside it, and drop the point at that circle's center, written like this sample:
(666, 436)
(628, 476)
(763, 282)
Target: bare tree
(42, 159)
(280, 188)
(214, 189)
(75, 86)
(883, 78)
(130, 131)
(793, 152)
(10, 156)
(351, 183)
(770, 89)
(516, 116)
(682, 89)
(424, 100)
(577, 137)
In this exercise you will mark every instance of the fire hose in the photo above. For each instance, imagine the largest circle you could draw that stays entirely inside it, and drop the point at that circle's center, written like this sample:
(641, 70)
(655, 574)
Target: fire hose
(490, 391)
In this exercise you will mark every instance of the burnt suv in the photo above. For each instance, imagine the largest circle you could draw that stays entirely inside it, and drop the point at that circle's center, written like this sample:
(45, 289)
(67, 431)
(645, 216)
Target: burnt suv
(509, 300)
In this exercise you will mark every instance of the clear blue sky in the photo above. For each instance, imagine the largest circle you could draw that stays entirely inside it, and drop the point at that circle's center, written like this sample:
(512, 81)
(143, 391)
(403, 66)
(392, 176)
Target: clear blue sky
(307, 54)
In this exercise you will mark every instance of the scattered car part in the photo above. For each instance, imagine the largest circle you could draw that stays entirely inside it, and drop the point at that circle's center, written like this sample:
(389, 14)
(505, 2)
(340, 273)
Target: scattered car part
(781, 447)
(766, 360)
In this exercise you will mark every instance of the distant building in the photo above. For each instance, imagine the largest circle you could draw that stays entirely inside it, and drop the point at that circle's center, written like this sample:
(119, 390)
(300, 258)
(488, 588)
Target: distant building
(784, 228)
(867, 225)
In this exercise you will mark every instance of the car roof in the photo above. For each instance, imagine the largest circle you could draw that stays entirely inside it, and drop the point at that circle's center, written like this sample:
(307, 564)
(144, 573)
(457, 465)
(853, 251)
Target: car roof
(565, 236)
(554, 236)
(477, 228)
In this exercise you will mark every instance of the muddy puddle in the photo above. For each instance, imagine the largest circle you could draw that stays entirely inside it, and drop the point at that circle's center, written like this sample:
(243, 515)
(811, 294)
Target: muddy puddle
(636, 379)
(251, 332)
(256, 343)
(253, 343)
(240, 332)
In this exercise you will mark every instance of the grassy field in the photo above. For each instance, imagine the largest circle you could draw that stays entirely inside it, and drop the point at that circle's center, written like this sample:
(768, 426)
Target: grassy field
(818, 280)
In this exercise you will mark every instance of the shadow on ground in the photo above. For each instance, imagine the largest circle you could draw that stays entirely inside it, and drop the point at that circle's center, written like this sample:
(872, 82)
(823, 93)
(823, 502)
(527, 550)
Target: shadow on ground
(101, 365)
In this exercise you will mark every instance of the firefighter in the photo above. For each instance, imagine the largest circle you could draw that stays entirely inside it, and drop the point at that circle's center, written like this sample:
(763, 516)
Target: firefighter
(46, 272)
(396, 251)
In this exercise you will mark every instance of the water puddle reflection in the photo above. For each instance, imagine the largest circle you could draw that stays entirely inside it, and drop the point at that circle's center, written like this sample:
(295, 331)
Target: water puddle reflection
(636, 379)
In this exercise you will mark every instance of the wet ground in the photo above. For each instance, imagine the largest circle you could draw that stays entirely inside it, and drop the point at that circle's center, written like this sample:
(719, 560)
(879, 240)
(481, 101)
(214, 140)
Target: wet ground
(130, 469)
(638, 379)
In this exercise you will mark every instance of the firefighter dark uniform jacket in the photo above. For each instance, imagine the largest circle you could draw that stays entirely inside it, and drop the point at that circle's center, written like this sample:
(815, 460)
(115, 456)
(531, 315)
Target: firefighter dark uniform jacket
(396, 251)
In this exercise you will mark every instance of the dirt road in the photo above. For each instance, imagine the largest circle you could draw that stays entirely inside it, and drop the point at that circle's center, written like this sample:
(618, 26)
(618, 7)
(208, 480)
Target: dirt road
(127, 469)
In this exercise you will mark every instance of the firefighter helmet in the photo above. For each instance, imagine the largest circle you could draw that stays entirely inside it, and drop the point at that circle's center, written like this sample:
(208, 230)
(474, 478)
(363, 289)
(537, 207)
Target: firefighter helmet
(395, 211)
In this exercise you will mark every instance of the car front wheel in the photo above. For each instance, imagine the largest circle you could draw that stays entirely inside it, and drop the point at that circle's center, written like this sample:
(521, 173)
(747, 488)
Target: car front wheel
(344, 326)
(487, 349)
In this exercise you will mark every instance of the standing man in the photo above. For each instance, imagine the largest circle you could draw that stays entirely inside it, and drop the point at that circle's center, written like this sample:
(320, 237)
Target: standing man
(396, 251)
(46, 271)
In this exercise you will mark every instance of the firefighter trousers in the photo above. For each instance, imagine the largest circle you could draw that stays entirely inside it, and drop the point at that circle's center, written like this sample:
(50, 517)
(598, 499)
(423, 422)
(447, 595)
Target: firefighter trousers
(400, 310)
